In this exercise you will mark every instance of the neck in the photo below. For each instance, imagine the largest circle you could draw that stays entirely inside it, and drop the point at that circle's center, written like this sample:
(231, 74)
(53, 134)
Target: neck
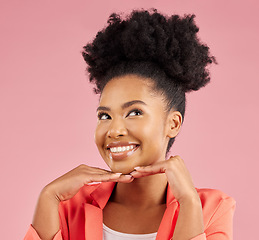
(142, 192)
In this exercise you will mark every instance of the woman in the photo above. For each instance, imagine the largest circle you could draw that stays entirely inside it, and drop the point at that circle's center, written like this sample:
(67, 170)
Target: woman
(142, 67)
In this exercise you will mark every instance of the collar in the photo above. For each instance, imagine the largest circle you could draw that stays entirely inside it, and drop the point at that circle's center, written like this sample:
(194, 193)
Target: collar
(103, 191)
(100, 196)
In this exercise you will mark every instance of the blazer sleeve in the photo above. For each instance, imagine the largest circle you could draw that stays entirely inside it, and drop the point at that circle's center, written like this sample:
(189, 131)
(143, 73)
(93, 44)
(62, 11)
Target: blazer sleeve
(62, 234)
(33, 235)
(220, 225)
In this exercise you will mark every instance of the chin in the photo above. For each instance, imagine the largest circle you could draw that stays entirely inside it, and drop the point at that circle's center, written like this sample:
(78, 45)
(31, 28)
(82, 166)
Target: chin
(121, 169)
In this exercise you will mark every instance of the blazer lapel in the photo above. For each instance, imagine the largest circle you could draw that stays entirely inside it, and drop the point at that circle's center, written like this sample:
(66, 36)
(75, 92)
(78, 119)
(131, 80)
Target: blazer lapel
(94, 211)
(166, 229)
(101, 195)
(93, 222)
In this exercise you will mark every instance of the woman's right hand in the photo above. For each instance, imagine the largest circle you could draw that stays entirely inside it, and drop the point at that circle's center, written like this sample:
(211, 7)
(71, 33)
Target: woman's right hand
(46, 216)
(66, 186)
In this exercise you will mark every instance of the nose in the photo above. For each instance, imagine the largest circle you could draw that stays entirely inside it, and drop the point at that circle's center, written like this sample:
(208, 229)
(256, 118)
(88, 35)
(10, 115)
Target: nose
(117, 129)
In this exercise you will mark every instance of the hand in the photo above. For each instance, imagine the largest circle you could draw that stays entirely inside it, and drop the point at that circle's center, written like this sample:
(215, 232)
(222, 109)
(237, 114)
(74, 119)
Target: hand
(178, 176)
(66, 186)
(46, 216)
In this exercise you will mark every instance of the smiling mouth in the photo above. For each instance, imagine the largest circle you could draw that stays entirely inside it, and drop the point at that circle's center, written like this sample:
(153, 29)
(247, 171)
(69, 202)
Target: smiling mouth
(121, 152)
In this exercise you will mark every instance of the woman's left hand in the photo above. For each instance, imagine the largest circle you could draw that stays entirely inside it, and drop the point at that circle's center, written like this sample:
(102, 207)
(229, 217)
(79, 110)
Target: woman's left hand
(178, 176)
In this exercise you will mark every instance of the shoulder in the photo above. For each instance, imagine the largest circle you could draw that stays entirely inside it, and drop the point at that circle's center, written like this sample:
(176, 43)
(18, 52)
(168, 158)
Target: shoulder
(215, 204)
(214, 196)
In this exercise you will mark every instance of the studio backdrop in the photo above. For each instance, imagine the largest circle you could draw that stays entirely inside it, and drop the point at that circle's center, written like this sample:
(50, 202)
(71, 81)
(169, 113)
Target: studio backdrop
(48, 107)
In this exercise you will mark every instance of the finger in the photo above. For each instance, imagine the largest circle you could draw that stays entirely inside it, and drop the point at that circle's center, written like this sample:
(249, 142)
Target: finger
(99, 171)
(154, 168)
(111, 177)
(125, 178)
(102, 177)
(137, 174)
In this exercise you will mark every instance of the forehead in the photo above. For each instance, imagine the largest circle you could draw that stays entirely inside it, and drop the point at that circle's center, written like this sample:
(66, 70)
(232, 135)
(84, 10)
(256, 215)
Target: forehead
(127, 88)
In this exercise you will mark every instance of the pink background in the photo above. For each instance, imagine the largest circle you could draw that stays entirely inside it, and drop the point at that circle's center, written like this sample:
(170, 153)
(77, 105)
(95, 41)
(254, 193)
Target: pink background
(48, 108)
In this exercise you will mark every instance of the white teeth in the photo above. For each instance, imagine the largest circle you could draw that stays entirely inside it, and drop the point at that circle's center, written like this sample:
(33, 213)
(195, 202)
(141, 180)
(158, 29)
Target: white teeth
(121, 149)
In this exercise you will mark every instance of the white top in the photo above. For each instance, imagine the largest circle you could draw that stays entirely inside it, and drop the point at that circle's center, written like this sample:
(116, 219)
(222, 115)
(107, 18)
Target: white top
(109, 234)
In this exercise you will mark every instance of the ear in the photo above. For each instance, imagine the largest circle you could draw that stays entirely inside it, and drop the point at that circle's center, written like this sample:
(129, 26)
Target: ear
(174, 123)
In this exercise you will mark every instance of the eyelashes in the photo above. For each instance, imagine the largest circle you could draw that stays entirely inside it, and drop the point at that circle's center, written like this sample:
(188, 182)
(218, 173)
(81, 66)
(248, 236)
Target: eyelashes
(138, 111)
(101, 115)
(105, 116)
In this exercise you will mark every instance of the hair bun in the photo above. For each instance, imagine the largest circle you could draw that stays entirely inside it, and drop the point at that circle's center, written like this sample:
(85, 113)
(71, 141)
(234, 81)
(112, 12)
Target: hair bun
(170, 42)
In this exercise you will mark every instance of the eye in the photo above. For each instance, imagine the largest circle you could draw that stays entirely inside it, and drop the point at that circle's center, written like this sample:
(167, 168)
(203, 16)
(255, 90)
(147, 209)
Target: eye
(135, 112)
(103, 116)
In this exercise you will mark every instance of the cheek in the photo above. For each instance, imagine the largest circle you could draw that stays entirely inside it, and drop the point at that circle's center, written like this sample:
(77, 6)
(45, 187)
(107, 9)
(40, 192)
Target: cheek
(139, 130)
(99, 136)
(148, 131)
(149, 127)
(153, 135)
(135, 125)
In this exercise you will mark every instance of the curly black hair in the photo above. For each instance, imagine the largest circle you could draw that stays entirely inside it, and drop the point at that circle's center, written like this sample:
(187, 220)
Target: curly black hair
(151, 45)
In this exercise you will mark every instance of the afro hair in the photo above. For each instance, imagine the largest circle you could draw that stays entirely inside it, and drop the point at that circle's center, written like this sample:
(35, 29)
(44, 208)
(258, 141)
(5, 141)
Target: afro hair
(152, 45)
(148, 36)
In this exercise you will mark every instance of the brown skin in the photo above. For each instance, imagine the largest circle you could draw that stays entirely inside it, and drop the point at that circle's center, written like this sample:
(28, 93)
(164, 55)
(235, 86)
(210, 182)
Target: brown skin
(127, 125)
(139, 189)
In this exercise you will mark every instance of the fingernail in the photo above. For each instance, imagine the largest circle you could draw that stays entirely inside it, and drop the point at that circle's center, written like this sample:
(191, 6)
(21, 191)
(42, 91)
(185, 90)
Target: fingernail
(128, 175)
(117, 174)
(136, 168)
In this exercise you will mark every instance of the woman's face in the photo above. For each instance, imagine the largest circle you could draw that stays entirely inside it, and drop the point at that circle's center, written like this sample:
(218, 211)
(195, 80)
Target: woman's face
(132, 124)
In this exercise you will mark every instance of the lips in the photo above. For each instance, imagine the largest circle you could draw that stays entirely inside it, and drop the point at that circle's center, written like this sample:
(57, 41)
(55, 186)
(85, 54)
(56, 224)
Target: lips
(121, 150)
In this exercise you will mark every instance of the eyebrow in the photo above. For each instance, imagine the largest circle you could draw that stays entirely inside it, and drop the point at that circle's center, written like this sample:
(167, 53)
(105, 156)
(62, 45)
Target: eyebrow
(123, 106)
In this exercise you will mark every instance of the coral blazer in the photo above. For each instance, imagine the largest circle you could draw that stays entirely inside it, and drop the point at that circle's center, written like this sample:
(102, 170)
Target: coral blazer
(81, 217)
